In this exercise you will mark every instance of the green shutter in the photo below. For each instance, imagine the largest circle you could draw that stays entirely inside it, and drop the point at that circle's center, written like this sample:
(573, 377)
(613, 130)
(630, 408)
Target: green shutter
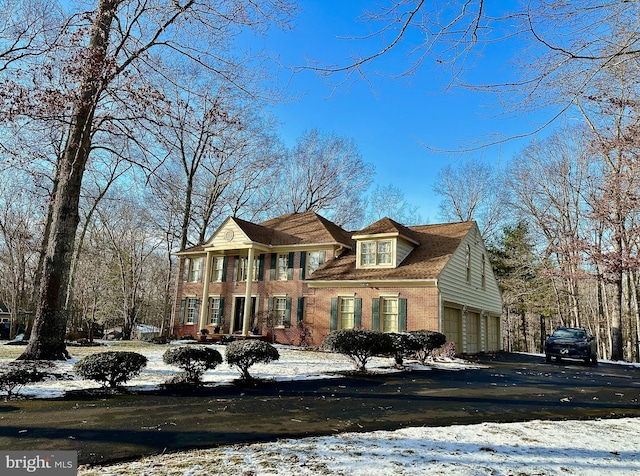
(287, 314)
(333, 323)
(235, 268)
(220, 312)
(357, 312)
(402, 315)
(303, 262)
(225, 262)
(375, 314)
(183, 307)
(274, 263)
(300, 314)
(261, 267)
(290, 266)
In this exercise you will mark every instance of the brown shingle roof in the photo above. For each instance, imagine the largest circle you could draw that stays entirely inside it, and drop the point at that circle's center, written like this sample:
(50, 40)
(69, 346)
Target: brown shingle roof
(265, 235)
(308, 227)
(426, 261)
(387, 226)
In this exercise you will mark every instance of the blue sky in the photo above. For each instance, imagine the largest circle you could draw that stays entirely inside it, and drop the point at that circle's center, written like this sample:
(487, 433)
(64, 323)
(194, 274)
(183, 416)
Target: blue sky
(391, 123)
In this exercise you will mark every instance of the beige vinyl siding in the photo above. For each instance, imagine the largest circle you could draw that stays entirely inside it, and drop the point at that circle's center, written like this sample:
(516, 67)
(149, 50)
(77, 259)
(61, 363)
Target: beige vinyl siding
(403, 248)
(220, 241)
(453, 284)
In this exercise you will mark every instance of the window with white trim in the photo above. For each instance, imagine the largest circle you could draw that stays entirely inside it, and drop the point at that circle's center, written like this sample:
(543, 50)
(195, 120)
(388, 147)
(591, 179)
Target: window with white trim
(483, 272)
(243, 264)
(376, 253)
(214, 311)
(279, 311)
(192, 311)
(195, 275)
(315, 259)
(218, 268)
(193, 270)
(389, 311)
(347, 313)
(283, 267)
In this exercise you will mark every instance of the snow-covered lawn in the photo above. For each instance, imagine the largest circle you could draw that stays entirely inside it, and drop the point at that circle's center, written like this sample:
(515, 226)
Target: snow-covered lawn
(529, 448)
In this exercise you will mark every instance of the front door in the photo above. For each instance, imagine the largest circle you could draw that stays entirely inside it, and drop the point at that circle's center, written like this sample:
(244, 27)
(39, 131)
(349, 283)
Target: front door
(238, 313)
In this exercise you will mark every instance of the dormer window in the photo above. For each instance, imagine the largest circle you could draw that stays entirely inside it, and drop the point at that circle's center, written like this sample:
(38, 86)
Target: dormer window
(376, 253)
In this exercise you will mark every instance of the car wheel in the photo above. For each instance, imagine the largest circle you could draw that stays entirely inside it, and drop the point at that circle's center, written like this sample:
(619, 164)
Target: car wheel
(594, 359)
(547, 357)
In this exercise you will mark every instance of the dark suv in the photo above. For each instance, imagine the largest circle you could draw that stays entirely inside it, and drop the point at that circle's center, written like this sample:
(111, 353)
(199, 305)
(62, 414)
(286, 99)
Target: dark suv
(571, 343)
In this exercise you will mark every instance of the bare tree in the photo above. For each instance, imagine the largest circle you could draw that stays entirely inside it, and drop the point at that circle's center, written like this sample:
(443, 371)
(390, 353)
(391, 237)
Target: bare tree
(324, 173)
(549, 184)
(389, 201)
(128, 241)
(106, 56)
(472, 191)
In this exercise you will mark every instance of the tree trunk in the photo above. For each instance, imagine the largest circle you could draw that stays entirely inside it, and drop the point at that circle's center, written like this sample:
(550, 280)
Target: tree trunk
(49, 328)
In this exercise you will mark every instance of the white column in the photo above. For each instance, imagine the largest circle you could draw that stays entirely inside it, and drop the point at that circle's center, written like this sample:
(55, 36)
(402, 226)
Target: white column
(246, 322)
(204, 308)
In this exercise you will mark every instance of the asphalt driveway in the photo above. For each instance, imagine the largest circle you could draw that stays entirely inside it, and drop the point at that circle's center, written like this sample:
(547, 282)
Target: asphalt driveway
(511, 387)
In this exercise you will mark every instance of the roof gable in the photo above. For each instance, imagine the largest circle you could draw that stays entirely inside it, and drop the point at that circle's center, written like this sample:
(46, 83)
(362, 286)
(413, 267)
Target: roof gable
(286, 230)
(387, 227)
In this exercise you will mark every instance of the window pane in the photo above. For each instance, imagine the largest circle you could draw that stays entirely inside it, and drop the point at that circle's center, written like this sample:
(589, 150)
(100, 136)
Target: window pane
(384, 252)
(315, 259)
(389, 315)
(196, 270)
(347, 306)
(368, 253)
(218, 269)
(283, 265)
(191, 311)
(214, 311)
(280, 311)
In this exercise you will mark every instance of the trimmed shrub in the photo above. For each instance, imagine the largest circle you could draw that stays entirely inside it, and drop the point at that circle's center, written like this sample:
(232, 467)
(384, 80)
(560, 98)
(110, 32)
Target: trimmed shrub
(111, 368)
(245, 353)
(359, 345)
(429, 341)
(18, 376)
(194, 360)
(404, 344)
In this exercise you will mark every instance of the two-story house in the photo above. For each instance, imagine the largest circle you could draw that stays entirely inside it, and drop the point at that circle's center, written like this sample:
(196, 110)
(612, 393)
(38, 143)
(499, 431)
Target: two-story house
(301, 272)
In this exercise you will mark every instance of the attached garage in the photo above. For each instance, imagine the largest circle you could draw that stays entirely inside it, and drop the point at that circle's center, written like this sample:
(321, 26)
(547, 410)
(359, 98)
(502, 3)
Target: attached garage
(473, 332)
(452, 326)
(493, 333)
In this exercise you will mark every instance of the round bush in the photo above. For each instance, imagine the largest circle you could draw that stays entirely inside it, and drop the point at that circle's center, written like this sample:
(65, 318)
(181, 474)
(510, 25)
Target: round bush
(18, 376)
(194, 360)
(359, 345)
(404, 344)
(111, 368)
(244, 353)
(429, 341)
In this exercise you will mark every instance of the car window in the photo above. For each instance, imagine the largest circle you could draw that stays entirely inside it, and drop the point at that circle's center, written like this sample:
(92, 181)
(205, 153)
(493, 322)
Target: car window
(562, 333)
(570, 333)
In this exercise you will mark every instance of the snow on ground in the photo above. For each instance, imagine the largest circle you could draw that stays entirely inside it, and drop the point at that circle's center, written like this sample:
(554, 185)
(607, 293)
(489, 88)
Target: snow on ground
(603, 447)
(598, 447)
